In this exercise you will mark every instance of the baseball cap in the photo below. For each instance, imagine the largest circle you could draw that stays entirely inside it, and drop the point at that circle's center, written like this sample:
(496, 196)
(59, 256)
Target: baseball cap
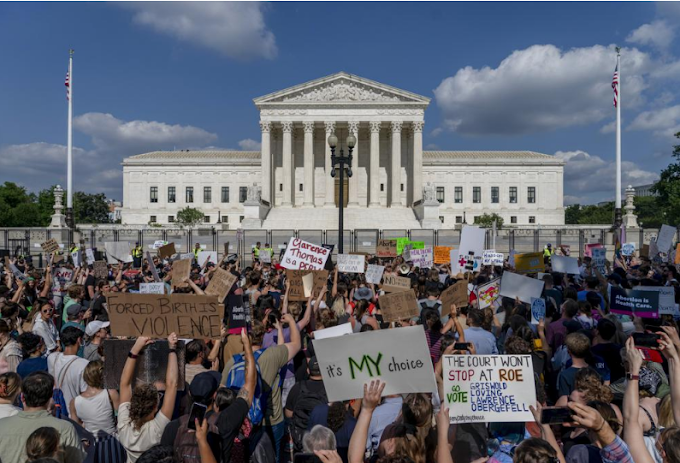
(204, 385)
(92, 327)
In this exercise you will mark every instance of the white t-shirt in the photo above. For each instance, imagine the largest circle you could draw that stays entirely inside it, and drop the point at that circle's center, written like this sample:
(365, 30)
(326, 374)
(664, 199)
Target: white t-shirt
(139, 441)
(72, 382)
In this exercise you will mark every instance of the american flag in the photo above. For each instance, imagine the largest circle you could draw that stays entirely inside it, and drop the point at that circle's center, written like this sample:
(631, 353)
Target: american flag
(615, 85)
(68, 87)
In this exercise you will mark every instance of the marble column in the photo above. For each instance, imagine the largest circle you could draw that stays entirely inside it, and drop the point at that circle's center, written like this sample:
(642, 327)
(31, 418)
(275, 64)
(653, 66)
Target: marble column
(309, 165)
(417, 181)
(374, 166)
(329, 181)
(353, 128)
(287, 149)
(396, 164)
(266, 161)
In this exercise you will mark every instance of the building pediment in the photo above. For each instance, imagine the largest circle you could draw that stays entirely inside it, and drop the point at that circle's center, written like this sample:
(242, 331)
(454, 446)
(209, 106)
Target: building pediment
(342, 88)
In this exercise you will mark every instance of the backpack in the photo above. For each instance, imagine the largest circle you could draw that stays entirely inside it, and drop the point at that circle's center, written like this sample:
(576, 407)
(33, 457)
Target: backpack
(237, 378)
(60, 405)
(305, 403)
(186, 445)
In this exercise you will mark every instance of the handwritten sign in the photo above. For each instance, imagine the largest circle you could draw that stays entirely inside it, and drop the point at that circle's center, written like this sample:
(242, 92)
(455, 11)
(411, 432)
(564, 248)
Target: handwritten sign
(531, 262)
(537, 310)
(297, 287)
(351, 263)
(520, 286)
(301, 255)
(189, 315)
(400, 357)
(152, 288)
(423, 258)
(399, 306)
(101, 271)
(167, 251)
(488, 293)
(395, 284)
(489, 388)
(491, 257)
(374, 273)
(50, 246)
(563, 264)
(220, 284)
(628, 249)
(643, 304)
(181, 269)
(386, 248)
(454, 294)
(442, 254)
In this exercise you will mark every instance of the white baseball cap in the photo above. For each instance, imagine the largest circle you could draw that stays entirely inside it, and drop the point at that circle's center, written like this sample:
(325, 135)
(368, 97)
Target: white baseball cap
(95, 326)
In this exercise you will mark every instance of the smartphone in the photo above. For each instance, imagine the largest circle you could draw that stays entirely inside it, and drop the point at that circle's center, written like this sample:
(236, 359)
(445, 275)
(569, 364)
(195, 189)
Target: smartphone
(556, 415)
(197, 413)
(306, 458)
(649, 340)
(461, 346)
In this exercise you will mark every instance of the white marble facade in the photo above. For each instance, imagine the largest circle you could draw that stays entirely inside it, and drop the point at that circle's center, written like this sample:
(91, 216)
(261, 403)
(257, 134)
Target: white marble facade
(292, 170)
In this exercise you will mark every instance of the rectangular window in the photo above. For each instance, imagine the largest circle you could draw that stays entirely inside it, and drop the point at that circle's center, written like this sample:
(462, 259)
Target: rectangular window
(206, 219)
(171, 194)
(171, 219)
(513, 219)
(242, 194)
(531, 194)
(459, 219)
(152, 219)
(495, 199)
(225, 194)
(190, 194)
(476, 194)
(440, 193)
(458, 195)
(207, 194)
(153, 194)
(513, 195)
(532, 219)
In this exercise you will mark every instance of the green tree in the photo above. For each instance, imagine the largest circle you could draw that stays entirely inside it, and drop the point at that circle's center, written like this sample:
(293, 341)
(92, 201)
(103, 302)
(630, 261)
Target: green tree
(90, 208)
(486, 220)
(668, 188)
(189, 216)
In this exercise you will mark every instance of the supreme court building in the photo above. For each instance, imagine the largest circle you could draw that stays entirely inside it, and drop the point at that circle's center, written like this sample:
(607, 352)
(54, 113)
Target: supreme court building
(395, 184)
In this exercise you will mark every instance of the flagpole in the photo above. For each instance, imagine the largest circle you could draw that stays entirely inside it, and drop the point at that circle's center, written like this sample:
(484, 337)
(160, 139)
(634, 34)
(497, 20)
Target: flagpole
(69, 147)
(617, 208)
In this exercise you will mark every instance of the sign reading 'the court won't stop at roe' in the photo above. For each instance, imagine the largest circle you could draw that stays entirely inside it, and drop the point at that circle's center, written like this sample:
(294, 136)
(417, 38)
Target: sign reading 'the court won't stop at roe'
(301, 255)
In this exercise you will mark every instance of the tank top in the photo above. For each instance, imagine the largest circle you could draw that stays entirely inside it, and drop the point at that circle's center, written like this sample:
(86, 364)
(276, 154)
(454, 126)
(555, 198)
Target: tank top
(96, 413)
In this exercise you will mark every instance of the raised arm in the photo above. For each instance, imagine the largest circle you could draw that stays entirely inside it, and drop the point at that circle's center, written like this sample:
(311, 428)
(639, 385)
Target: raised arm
(247, 392)
(632, 431)
(171, 378)
(129, 368)
(295, 341)
(357, 444)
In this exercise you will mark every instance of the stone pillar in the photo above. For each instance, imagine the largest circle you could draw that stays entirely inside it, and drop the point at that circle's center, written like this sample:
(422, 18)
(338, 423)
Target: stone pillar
(374, 198)
(287, 128)
(330, 181)
(417, 181)
(266, 161)
(396, 164)
(309, 165)
(354, 179)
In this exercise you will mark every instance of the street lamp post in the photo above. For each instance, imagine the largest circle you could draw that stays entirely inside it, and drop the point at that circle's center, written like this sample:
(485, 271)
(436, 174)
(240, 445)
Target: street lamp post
(342, 160)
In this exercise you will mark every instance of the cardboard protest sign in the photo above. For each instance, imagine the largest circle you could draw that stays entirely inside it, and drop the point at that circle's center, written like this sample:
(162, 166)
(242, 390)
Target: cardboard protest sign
(599, 259)
(297, 289)
(537, 310)
(400, 357)
(386, 248)
(301, 255)
(666, 298)
(395, 284)
(374, 273)
(628, 249)
(399, 306)
(664, 240)
(491, 257)
(189, 315)
(89, 256)
(519, 286)
(489, 388)
(118, 251)
(210, 256)
(423, 258)
(333, 331)
(455, 294)
(50, 246)
(351, 263)
(60, 278)
(442, 254)
(563, 264)
(152, 288)
(167, 251)
(101, 270)
(220, 284)
(636, 302)
(531, 262)
(488, 293)
(181, 269)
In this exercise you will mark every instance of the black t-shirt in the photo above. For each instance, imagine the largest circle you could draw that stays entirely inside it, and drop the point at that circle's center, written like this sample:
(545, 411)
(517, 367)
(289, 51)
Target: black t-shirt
(611, 354)
(229, 423)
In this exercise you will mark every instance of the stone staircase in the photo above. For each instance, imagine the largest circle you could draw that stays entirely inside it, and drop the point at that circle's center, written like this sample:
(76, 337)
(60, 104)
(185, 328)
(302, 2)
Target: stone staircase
(321, 218)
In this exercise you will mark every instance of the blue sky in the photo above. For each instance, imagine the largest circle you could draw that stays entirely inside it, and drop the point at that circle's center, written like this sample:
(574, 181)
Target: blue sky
(502, 76)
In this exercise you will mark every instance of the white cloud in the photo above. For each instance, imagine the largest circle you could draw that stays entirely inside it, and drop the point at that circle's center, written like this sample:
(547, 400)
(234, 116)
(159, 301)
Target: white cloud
(663, 122)
(235, 29)
(250, 145)
(659, 34)
(537, 89)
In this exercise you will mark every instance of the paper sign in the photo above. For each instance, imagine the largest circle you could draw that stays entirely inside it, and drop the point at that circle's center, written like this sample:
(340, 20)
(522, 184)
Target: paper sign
(333, 331)
(386, 248)
(531, 262)
(599, 259)
(308, 284)
(395, 284)
(666, 298)
(537, 310)
(399, 306)
(563, 264)
(351, 263)
(400, 357)
(488, 293)
(181, 269)
(635, 302)
(101, 271)
(514, 286)
(210, 256)
(50, 246)
(301, 255)
(189, 315)
(489, 388)
(152, 288)
(491, 257)
(374, 273)
(220, 283)
(454, 294)
(442, 254)
(297, 289)
(167, 251)
(628, 249)
(664, 240)
(118, 251)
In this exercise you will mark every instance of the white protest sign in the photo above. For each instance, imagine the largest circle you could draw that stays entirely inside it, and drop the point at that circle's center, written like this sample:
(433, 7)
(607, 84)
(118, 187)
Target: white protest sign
(537, 310)
(565, 264)
(665, 238)
(351, 263)
(374, 273)
(89, 256)
(491, 257)
(400, 357)
(599, 258)
(666, 298)
(210, 256)
(628, 249)
(489, 388)
(117, 251)
(301, 255)
(423, 258)
(520, 286)
(152, 288)
(333, 331)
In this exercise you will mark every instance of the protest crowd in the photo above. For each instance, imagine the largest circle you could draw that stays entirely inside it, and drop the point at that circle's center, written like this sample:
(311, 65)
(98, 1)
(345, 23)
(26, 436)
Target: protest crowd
(410, 354)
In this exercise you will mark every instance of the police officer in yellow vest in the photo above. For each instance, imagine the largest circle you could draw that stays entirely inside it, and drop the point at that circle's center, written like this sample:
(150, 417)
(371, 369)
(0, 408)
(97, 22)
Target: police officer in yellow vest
(547, 253)
(256, 251)
(197, 250)
(137, 253)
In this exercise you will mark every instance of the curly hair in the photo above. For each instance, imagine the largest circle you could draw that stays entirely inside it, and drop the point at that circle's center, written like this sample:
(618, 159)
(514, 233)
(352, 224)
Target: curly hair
(143, 403)
(589, 382)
